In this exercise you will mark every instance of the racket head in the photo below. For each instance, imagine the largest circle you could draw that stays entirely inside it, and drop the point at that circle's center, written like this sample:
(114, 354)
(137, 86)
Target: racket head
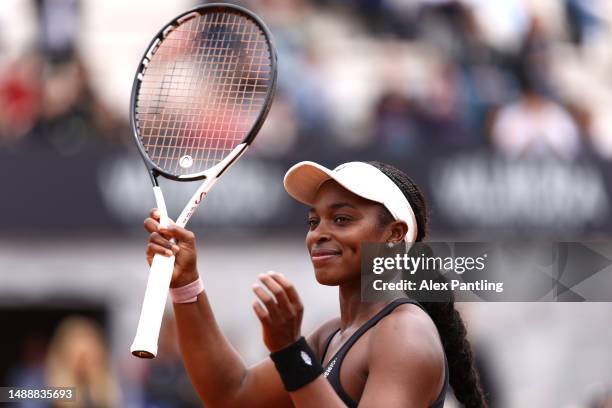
(203, 87)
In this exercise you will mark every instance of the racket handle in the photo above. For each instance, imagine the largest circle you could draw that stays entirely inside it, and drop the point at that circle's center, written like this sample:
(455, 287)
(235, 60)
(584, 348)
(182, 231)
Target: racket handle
(153, 305)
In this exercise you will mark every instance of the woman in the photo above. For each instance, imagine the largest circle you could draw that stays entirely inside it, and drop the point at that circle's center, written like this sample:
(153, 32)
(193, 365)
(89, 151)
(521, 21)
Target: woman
(400, 354)
(79, 357)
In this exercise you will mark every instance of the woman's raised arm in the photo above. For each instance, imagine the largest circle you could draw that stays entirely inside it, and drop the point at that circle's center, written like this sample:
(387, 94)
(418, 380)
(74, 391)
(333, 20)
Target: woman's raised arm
(216, 370)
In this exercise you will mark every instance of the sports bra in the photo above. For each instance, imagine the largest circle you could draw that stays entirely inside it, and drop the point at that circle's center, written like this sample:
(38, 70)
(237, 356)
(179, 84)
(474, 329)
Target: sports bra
(332, 370)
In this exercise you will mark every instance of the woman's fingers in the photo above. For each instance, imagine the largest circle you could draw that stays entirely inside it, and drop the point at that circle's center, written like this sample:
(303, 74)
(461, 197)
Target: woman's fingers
(158, 239)
(261, 312)
(280, 299)
(151, 225)
(290, 290)
(154, 249)
(155, 214)
(178, 233)
(280, 318)
(284, 305)
(171, 231)
(268, 301)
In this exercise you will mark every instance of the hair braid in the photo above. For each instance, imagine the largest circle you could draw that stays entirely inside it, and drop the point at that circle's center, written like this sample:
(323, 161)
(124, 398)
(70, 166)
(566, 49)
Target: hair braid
(463, 375)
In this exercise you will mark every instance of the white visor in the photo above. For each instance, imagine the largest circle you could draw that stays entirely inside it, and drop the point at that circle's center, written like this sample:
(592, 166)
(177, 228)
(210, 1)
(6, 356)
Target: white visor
(303, 180)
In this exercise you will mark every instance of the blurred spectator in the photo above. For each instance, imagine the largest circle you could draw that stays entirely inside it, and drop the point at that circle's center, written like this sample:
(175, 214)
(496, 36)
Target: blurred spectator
(167, 384)
(535, 126)
(391, 17)
(52, 106)
(79, 357)
(58, 22)
(444, 119)
(310, 96)
(19, 97)
(46, 97)
(452, 28)
(396, 125)
(66, 121)
(532, 61)
(279, 132)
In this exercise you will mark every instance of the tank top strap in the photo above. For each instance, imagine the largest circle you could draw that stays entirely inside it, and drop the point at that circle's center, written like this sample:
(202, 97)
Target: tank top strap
(370, 323)
(327, 343)
(332, 371)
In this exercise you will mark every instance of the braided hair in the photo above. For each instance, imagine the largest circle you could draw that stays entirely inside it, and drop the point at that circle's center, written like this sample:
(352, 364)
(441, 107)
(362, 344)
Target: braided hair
(463, 376)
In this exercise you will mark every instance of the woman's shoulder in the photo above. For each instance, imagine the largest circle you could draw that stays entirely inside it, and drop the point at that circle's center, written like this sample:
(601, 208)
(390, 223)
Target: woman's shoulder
(408, 332)
(408, 321)
(404, 348)
(319, 337)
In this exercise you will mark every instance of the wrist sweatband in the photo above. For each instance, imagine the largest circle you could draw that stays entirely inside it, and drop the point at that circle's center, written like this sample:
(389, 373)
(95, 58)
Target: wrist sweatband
(188, 293)
(296, 364)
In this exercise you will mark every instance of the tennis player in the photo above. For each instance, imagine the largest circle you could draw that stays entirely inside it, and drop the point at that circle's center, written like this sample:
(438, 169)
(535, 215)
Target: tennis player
(399, 354)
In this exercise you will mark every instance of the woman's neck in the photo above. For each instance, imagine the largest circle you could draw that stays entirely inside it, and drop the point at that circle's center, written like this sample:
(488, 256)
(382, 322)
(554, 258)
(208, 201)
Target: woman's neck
(354, 312)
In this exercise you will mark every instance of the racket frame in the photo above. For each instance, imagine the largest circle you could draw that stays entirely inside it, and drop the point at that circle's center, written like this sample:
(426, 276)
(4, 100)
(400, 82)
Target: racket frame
(155, 170)
(147, 333)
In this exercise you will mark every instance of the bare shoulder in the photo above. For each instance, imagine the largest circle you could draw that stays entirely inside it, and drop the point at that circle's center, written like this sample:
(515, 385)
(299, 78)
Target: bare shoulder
(409, 316)
(405, 360)
(317, 338)
(409, 338)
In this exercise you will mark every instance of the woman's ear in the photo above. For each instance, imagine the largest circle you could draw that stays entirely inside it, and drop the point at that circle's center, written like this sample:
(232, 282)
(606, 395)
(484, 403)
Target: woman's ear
(397, 230)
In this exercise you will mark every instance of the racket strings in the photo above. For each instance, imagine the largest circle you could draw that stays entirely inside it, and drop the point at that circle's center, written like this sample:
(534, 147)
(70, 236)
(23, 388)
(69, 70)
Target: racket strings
(202, 91)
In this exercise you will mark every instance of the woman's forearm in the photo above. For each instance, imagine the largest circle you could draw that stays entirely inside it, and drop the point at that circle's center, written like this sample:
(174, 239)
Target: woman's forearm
(215, 368)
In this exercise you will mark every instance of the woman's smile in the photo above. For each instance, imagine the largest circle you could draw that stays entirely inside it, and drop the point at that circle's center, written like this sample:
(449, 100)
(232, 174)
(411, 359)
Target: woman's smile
(321, 255)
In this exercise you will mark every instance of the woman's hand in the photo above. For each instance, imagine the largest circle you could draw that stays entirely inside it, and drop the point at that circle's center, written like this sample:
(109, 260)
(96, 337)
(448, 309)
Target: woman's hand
(281, 318)
(185, 265)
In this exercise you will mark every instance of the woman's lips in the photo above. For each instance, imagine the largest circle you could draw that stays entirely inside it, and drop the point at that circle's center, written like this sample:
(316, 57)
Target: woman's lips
(320, 255)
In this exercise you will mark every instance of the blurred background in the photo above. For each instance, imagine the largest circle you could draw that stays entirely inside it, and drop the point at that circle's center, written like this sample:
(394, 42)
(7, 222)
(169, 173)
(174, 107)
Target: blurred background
(501, 111)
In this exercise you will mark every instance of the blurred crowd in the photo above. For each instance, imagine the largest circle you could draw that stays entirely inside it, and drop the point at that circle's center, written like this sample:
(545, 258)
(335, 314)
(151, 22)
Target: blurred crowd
(77, 354)
(46, 97)
(524, 78)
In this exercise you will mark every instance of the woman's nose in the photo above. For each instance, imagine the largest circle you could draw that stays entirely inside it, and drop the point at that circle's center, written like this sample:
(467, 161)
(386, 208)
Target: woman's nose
(320, 233)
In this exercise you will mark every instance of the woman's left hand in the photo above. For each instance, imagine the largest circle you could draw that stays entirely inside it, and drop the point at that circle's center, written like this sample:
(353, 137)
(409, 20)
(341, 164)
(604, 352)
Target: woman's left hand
(281, 318)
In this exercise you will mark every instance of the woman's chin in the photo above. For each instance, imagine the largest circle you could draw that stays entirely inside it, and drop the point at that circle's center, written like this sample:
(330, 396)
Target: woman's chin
(327, 276)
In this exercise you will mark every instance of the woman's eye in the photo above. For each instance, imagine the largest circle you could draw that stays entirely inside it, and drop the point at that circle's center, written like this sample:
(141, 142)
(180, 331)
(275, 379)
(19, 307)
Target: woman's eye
(312, 222)
(339, 219)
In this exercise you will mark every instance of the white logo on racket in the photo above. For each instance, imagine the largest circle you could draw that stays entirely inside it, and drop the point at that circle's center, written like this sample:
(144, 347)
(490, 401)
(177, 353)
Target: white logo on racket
(306, 358)
(186, 161)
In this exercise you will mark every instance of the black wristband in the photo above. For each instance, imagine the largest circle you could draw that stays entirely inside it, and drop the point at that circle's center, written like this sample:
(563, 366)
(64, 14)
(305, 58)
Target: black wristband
(296, 364)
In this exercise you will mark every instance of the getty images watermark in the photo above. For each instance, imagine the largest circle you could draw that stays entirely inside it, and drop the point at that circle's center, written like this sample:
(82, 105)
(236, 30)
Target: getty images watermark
(485, 271)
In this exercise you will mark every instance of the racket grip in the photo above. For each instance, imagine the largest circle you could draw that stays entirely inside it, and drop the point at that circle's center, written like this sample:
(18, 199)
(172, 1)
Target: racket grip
(153, 306)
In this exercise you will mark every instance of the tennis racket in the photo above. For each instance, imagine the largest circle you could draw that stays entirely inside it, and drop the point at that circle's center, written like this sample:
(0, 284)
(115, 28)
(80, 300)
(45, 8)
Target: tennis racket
(201, 93)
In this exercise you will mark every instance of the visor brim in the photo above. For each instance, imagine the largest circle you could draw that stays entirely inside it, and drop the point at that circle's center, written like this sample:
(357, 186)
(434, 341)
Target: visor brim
(304, 179)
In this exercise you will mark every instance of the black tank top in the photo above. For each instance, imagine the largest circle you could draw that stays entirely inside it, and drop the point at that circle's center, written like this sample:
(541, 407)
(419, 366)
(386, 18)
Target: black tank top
(332, 371)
